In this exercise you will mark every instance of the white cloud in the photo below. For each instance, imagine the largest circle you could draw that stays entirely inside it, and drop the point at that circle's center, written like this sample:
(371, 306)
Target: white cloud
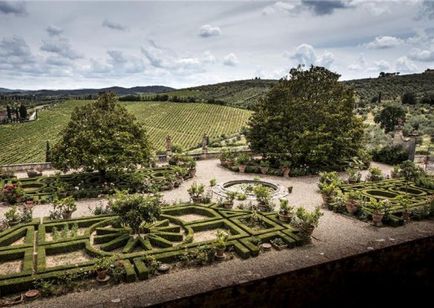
(380, 66)
(113, 25)
(384, 42)
(359, 65)
(208, 57)
(54, 31)
(291, 7)
(230, 60)
(208, 31)
(60, 46)
(306, 55)
(422, 55)
(404, 65)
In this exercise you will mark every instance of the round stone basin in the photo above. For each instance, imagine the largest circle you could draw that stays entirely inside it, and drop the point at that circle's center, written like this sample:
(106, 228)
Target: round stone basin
(246, 187)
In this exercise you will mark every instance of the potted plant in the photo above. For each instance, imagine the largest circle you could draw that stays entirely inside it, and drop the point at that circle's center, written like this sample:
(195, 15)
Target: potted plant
(264, 165)
(285, 212)
(242, 161)
(307, 221)
(13, 216)
(212, 182)
(290, 189)
(352, 201)
(327, 192)
(278, 243)
(379, 209)
(354, 175)
(220, 244)
(263, 197)
(375, 174)
(196, 192)
(285, 166)
(102, 267)
(394, 174)
(404, 201)
(63, 208)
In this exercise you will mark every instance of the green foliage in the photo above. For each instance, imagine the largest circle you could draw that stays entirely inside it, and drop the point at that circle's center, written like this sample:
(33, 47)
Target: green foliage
(409, 171)
(307, 120)
(375, 174)
(102, 136)
(390, 155)
(263, 194)
(196, 192)
(221, 239)
(306, 219)
(104, 263)
(135, 209)
(212, 182)
(285, 208)
(14, 215)
(390, 116)
(408, 98)
(63, 208)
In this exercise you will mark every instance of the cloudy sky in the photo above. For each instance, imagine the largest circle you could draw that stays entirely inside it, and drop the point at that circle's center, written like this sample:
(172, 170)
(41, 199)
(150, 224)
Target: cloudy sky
(98, 44)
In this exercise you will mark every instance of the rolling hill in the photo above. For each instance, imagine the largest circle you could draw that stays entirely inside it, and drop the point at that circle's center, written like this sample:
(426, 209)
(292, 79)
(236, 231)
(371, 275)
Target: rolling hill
(185, 123)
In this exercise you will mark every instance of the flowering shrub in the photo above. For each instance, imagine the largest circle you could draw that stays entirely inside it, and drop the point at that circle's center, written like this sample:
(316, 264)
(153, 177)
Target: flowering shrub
(11, 193)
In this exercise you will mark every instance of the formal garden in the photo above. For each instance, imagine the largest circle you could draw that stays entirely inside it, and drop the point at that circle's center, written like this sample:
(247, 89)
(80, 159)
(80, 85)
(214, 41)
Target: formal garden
(263, 203)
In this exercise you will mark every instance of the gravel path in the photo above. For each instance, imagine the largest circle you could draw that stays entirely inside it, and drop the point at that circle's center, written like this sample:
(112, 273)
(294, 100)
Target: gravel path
(336, 236)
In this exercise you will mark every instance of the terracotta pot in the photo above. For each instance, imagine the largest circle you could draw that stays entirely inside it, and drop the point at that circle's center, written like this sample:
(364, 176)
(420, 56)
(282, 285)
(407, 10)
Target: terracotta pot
(242, 168)
(286, 172)
(220, 254)
(406, 216)
(285, 217)
(66, 215)
(377, 219)
(101, 274)
(192, 172)
(326, 199)
(309, 230)
(351, 207)
(264, 170)
(228, 205)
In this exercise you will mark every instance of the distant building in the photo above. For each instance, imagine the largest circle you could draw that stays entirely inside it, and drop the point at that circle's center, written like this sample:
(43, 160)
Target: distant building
(429, 71)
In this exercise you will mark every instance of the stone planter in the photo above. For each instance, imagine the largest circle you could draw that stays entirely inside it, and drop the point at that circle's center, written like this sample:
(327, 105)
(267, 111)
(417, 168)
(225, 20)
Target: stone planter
(285, 217)
(242, 168)
(279, 247)
(220, 254)
(377, 219)
(264, 170)
(289, 189)
(286, 172)
(308, 230)
(325, 199)
(351, 207)
(192, 172)
(66, 215)
(228, 205)
(101, 274)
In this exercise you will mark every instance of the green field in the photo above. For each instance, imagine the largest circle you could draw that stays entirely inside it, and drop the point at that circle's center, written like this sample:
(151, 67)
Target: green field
(186, 123)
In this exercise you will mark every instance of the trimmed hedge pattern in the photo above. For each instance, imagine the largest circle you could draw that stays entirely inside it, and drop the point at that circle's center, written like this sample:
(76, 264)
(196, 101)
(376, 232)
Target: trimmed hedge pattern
(390, 189)
(168, 241)
(44, 189)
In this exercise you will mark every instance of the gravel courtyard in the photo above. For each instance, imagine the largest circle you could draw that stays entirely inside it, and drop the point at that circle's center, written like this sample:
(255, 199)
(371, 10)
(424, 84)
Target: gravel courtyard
(337, 236)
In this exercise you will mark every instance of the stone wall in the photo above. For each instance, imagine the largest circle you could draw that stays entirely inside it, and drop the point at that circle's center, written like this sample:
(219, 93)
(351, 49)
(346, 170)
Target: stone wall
(395, 275)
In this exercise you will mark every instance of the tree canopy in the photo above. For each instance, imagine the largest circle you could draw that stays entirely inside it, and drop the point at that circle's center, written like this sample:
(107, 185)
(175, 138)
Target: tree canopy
(390, 116)
(307, 120)
(101, 136)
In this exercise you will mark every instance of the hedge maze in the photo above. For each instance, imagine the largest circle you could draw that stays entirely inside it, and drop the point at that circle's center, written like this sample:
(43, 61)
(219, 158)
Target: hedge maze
(420, 198)
(43, 189)
(46, 249)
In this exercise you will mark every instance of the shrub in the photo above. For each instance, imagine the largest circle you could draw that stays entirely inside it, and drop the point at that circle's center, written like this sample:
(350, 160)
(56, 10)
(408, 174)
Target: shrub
(390, 155)
(63, 208)
(196, 192)
(375, 174)
(135, 210)
(11, 193)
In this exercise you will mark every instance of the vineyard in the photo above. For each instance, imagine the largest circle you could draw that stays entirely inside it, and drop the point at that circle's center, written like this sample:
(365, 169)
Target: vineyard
(185, 123)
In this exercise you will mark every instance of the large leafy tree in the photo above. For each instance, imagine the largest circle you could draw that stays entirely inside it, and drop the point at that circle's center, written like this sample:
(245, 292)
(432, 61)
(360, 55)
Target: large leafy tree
(101, 136)
(390, 116)
(307, 119)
